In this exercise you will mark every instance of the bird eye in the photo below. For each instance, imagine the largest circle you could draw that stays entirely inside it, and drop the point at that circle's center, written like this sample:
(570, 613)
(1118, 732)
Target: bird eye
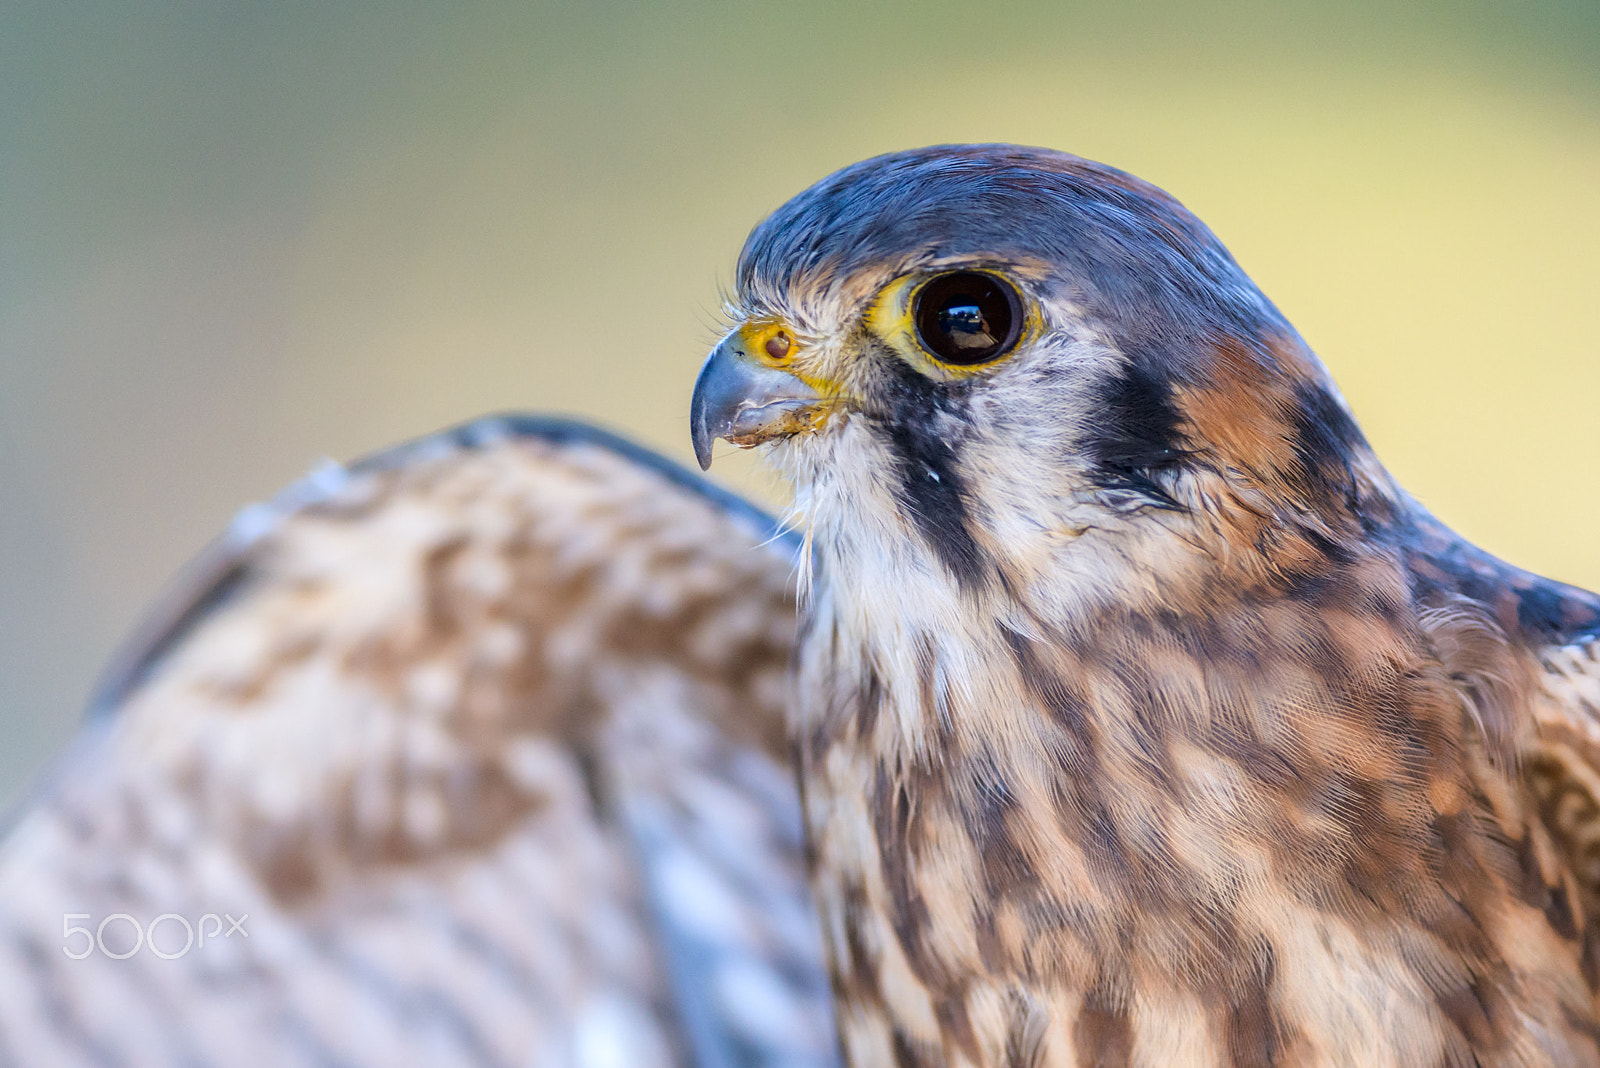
(967, 318)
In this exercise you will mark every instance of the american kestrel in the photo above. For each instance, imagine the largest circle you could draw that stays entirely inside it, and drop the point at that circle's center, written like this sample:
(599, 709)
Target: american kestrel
(1140, 718)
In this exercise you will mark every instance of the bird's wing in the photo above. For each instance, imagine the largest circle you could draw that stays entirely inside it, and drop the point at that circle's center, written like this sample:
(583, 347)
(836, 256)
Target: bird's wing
(1561, 762)
(469, 754)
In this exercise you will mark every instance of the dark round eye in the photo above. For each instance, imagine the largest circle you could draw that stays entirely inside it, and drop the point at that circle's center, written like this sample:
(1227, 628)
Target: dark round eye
(967, 318)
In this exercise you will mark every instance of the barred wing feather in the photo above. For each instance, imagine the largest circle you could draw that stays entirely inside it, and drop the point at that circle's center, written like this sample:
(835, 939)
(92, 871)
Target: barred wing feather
(469, 754)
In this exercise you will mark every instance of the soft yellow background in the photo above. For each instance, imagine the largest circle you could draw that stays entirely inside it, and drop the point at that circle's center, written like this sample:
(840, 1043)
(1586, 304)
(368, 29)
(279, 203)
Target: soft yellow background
(236, 238)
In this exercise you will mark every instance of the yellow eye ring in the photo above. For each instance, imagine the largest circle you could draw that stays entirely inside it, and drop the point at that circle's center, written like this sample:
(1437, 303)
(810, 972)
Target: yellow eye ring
(953, 323)
(967, 318)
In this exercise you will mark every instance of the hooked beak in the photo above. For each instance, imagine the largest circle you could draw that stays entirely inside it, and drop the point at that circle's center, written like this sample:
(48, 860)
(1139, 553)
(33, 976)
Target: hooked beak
(739, 398)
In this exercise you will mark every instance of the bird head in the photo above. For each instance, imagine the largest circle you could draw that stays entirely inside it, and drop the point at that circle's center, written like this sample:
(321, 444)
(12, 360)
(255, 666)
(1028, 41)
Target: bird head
(981, 358)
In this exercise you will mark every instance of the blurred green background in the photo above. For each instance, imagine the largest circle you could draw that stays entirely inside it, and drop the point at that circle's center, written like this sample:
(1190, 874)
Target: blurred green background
(235, 238)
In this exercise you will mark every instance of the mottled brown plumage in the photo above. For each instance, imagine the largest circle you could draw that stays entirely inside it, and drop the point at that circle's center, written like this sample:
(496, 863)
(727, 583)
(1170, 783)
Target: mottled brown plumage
(1142, 718)
(483, 739)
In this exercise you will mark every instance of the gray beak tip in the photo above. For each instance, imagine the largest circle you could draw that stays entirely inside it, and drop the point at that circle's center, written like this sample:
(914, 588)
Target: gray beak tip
(734, 395)
(700, 431)
(702, 446)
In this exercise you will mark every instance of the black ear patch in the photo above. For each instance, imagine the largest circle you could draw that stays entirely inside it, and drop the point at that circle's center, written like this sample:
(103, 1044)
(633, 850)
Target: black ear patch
(1136, 433)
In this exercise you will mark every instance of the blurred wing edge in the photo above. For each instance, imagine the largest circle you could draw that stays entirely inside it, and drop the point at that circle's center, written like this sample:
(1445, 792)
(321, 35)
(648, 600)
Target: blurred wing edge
(662, 810)
(206, 581)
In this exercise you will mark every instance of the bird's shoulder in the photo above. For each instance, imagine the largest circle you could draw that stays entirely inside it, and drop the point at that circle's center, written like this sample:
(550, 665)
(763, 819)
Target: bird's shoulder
(1540, 675)
(1561, 763)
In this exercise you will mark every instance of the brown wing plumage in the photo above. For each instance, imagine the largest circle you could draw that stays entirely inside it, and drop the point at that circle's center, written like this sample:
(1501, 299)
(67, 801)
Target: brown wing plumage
(1562, 767)
(481, 744)
(1530, 667)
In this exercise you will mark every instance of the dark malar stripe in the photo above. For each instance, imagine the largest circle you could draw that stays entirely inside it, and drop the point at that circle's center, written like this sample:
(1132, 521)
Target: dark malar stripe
(936, 498)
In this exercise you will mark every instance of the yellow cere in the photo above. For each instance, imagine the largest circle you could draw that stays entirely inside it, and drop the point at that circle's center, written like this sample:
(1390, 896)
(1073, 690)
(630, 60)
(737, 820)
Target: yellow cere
(774, 343)
(769, 341)
(891, 319)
